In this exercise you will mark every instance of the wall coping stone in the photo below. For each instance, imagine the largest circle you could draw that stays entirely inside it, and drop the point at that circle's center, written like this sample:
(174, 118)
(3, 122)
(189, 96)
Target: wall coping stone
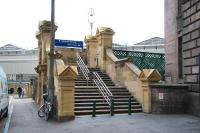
(126, 61)
(169, 86)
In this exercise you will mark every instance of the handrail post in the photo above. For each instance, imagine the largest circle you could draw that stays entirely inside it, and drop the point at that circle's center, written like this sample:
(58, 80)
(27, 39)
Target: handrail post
(129, 106)
(112, 107)
(94, 109)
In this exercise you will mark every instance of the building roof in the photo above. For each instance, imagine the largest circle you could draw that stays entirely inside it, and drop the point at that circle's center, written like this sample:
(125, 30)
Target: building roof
(152, 41)
(10, 47)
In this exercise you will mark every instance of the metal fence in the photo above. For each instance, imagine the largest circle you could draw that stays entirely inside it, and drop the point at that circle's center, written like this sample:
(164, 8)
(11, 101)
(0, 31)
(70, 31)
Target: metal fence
(158, 48)
(144, 60)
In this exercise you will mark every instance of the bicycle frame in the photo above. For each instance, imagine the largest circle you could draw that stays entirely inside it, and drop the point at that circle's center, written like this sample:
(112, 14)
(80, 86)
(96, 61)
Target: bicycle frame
(45, 108)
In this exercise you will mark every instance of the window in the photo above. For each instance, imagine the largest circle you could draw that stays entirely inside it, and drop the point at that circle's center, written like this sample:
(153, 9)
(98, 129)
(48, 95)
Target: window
(19, 77)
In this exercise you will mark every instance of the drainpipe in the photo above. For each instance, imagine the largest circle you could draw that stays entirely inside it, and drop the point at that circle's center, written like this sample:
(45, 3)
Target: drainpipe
(199, 72)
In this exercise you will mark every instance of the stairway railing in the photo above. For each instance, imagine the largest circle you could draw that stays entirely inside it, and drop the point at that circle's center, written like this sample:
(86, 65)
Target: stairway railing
(84, 70)
(96, 78)
(102, 88)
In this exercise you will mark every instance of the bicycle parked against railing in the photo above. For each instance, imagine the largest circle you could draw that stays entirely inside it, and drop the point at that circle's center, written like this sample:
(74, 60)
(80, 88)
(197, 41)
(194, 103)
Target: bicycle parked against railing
(45, 108)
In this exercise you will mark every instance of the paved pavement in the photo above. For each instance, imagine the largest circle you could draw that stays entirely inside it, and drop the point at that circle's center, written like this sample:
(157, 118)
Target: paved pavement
(2, 124)
(25, 120)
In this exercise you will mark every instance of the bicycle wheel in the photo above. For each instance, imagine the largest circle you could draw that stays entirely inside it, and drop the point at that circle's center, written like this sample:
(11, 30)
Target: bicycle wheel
(41, 111)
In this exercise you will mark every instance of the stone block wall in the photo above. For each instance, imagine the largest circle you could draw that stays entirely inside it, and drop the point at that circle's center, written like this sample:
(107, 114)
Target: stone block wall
(182, 42)
(69, 55)
(168, 98)
(192, 102)
(191, 42)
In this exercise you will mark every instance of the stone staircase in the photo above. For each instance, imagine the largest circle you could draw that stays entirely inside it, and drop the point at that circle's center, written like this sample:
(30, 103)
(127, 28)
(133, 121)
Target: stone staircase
(86, 92)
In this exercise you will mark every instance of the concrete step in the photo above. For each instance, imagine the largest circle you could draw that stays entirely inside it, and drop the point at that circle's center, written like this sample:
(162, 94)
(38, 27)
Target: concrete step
(89, 81)
(106, 107)
(100, 74)
(97, 90)
(95, 87)
(91, 77)
(100, 103)
(92, 84)
(89, 97)
(103, 78)
(86, 92)
(104, 111)
(82, 79)
(98, 93)
(102, 100)
(117, 97)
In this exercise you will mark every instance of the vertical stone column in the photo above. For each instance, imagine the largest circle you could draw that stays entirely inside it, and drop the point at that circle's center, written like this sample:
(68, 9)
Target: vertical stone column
(147, 77)
(44, 42)
(29, 90)
(64, 89)
(45, 30)
(171, 41)
(34, 88)
(39, 94)
(104, 36)
(146, 96)
(38, 70)
(92, 53)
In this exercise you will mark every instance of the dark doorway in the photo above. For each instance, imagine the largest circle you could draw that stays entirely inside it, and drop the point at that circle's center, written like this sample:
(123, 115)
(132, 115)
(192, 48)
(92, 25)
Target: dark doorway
(180, 58)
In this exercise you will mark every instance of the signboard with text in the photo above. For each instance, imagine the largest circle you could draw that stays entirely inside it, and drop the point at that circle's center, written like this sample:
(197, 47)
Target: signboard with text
(160, 96)
(68, 43)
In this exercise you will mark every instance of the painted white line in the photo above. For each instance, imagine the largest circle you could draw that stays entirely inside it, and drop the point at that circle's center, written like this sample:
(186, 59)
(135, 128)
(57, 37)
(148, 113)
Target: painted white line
(9, 116)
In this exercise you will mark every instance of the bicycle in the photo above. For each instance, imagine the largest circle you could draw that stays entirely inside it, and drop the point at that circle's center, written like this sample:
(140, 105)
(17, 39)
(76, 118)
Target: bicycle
(44, 110)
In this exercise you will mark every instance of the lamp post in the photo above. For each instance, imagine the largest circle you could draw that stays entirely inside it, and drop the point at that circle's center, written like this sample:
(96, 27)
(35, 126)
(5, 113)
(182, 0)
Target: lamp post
(50, 84)
(91, 18)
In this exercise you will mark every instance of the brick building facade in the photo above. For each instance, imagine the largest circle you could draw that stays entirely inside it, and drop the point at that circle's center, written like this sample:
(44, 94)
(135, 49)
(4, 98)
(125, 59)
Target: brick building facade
(182, 34)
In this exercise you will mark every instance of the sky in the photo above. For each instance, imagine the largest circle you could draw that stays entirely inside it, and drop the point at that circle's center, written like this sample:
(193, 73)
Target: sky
(132, 20)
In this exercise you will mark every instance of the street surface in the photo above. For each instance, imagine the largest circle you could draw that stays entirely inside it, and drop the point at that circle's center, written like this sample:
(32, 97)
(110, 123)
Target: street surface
(2, 124)
(24, 119)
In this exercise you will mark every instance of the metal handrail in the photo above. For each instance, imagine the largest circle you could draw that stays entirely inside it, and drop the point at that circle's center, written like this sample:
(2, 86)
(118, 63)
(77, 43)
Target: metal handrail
(85, 74)
(97, 80)
(84, 70)
(102, 87)
(82, 62)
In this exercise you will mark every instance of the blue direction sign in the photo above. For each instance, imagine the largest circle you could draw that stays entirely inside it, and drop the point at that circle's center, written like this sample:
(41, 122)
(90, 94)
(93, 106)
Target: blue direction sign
(68, 43)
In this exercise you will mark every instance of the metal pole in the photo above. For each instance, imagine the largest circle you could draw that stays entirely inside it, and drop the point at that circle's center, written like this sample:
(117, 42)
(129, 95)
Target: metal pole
(112, 107)
(129, 106)
(94, 109)
(91, 26)
(199, 72)
(51, 62)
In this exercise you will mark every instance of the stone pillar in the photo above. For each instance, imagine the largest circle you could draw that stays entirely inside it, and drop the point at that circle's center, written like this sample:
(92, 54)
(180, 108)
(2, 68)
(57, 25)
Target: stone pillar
(34, 88)
(104, 36)
(147, 77)
(92, 53)
(45, 30)
(171, 41)
(29, 90)
(64, 89)
(44, 42)
(38, 70)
